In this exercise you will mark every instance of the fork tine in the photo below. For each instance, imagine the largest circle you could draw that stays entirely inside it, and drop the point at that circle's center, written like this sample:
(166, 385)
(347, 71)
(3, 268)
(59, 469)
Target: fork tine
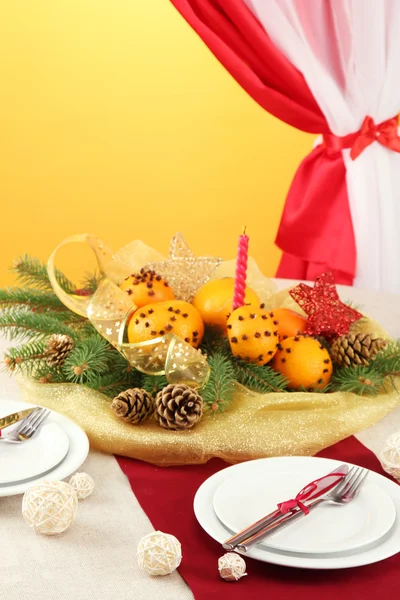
(349, 477)
(38, 422)
(32, 422)
(355, 488)
(352, 481)
(21, 426)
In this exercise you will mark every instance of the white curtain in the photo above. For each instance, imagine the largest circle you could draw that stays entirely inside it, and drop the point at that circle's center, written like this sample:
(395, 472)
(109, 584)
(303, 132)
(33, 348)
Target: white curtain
(349, 53)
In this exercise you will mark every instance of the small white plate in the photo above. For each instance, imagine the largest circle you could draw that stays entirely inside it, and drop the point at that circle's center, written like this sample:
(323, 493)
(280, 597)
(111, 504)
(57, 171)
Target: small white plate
(34, 457)
(205, 514)
(244, 499)
(77, 453)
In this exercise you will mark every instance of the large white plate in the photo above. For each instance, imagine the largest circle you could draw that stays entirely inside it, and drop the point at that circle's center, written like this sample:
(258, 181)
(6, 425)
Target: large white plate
(246, 497)
(205, 514)
(77, 453)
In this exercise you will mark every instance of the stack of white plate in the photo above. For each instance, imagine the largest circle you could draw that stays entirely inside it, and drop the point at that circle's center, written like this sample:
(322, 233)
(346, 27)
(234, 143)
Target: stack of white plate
(55, 452)
(364, 531)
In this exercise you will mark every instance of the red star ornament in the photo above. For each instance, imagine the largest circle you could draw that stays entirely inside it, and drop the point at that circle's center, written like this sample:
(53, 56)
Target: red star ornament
(327, 315)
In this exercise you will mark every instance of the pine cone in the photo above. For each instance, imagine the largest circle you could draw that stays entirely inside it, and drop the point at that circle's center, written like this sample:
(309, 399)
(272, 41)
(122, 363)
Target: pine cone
(356, 349)
(58, 348)
(134, 405)
(178, 407)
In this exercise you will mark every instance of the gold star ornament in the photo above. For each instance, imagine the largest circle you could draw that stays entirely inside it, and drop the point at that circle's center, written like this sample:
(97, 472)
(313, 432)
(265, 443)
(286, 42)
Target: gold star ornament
(185, 272)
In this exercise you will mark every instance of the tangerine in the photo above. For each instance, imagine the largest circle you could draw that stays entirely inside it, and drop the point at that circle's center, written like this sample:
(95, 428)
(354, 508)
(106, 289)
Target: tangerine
(304, 362)
(173, 316)
(252, 334)
(214, 301)
(146, 287)
(288, 322)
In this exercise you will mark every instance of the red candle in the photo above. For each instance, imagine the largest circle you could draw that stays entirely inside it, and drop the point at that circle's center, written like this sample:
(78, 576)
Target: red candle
(241, 268)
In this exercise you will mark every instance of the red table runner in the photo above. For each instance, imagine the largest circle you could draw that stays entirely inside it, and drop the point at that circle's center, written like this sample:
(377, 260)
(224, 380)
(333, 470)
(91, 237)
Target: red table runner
(166, 495)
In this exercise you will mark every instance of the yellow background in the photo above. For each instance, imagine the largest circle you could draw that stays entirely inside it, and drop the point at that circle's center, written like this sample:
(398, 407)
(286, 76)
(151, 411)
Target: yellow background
(115, 119)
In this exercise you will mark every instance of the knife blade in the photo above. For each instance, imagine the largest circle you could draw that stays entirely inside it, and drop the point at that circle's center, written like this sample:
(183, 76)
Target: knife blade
(15, 417)
(323, 485)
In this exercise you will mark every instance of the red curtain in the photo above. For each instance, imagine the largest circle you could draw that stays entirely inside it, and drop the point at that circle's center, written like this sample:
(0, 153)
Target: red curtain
(315, 232)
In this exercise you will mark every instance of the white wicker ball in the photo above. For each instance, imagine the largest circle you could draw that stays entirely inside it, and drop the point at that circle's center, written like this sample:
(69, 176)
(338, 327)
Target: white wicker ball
(83, 485)
(231, 566)
(50, 507)
(390, 455)
(159, 553)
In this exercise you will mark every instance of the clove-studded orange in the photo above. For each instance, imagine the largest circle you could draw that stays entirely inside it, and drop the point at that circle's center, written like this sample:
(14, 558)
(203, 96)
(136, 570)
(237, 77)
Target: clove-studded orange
(171, 316)
(146, 287)
(304, 362)
(214, 301)
(288, 322)
(252, 335)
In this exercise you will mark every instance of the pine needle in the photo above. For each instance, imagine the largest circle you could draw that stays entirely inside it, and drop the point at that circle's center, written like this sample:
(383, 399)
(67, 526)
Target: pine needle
(154, 383)
(359, 380)
(259, 378)
(33, 273)
(219, 391)
(30, 298)
(21, 324)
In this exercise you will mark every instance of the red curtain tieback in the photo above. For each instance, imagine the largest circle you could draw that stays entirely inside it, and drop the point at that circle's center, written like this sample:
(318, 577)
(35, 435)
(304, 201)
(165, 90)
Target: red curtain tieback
(385, 133)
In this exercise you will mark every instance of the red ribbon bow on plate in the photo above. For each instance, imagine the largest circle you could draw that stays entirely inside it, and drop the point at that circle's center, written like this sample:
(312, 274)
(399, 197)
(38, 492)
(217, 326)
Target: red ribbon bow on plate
(307, 493)
(385, 133)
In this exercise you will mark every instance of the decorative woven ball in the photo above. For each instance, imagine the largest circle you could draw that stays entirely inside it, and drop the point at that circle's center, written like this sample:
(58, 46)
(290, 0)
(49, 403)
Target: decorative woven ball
(159, 553)
(83, 485)
(50, 507)
(390, 455)
(231, 566)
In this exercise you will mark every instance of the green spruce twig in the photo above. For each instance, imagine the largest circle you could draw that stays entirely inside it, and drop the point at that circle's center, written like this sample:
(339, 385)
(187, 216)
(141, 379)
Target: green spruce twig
(33, 273)
(259, 378)
(362, 381)
(219, 391)
(88, 360)
(26, 357)
(153, 383)
(30, 298)
(21, 324)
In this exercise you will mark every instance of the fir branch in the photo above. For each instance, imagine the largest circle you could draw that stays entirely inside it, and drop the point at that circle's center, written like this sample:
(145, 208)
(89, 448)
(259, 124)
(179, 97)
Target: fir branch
(153, 383)
(362, 380)
(91, 281)
(44, 373)
(33, 273)
(387, 361)
(26, 357)
(111, 387)
(88, 360)
(219, 390)
(30, 298)
(22, 324)
(215, 341)
(259, 378)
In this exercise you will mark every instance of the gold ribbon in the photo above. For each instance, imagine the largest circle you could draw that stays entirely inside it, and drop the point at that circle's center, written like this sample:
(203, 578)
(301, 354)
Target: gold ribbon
(109, 310)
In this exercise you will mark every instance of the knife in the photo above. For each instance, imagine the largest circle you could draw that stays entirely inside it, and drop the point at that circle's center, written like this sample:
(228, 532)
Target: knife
(322, 485)
(14, 418)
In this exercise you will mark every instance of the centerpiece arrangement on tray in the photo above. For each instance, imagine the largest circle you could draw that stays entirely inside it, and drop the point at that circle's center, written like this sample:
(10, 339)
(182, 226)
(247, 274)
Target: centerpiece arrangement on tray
(182, 359)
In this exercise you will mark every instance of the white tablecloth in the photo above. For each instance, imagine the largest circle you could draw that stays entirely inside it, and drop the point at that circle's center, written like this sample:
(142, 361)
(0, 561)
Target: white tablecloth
(96, 558)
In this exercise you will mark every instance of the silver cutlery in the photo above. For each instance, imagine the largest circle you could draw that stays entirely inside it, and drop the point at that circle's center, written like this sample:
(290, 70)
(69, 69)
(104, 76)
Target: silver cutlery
(324, 484)
(14, 418)
(342, 494)
(28, 427)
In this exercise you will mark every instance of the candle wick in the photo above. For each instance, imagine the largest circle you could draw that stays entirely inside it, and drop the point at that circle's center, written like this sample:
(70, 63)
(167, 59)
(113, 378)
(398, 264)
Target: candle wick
(244, 230)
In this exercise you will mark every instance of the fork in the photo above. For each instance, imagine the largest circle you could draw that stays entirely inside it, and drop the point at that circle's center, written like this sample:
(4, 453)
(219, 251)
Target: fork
(28, 427)
(343, 493)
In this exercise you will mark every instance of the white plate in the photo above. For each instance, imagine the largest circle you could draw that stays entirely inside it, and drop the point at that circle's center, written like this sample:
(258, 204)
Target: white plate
(35, 457)
(246, 497)
(77, 453)
(204, 511)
